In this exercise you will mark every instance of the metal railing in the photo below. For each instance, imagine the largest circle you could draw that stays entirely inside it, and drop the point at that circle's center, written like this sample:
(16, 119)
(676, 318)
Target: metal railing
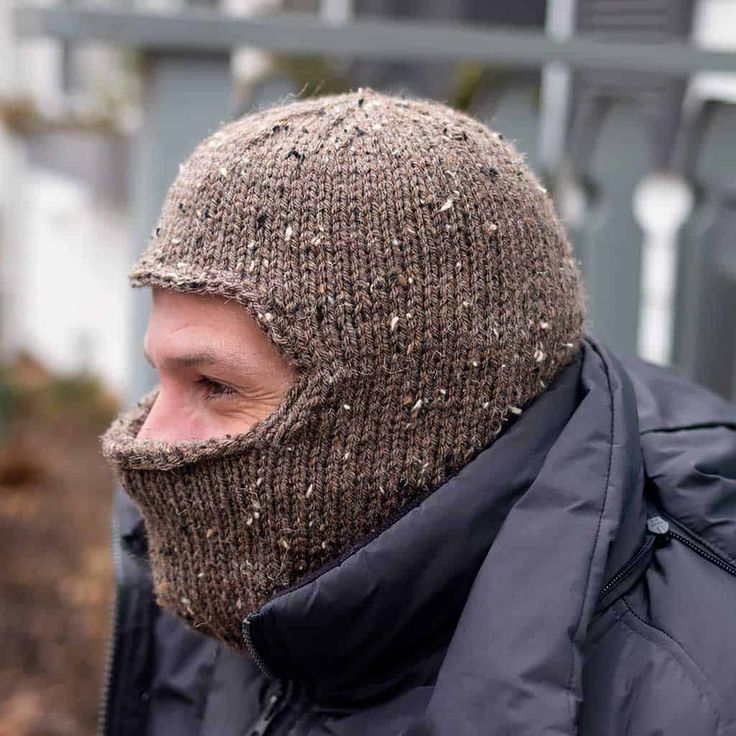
(642, 168)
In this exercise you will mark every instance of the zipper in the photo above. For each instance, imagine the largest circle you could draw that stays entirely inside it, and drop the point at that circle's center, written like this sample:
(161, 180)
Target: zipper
(697, 545)
(248, 639)
(103, 708)
(659, 532)
(625, 571)
(277, 702)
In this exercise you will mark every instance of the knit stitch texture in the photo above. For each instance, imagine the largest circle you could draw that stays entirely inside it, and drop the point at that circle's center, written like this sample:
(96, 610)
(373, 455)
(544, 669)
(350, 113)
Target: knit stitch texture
(406, 261)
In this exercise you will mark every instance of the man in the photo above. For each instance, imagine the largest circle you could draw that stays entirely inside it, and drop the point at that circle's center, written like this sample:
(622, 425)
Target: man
(386, 483)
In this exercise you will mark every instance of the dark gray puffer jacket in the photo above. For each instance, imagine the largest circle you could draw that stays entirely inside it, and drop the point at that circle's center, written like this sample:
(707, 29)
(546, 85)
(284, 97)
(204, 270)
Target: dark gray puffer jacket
(577, 577)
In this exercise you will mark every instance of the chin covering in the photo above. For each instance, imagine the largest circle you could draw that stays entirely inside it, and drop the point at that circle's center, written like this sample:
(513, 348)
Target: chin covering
(411, 268)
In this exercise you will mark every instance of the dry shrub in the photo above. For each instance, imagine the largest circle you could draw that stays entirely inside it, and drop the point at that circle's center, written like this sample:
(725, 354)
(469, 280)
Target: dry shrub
(55, 567)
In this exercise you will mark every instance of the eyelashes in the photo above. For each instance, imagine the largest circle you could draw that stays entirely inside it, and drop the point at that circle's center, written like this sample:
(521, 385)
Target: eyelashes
(214, 389)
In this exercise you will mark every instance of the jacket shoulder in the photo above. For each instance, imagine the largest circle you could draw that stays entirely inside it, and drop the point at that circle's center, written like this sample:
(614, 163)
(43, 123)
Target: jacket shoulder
(688, 444)
(667, 400)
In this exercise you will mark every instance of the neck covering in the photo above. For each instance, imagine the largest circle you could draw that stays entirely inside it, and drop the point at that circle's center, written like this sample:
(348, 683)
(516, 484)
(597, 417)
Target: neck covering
(408, 264)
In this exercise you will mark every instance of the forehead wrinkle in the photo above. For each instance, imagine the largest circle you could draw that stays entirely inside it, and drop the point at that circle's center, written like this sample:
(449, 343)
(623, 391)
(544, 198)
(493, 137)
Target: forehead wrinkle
(198, 358)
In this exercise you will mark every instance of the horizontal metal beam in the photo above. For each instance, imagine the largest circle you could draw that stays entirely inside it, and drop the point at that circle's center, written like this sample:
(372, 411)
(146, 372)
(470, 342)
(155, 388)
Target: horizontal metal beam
(203, 31)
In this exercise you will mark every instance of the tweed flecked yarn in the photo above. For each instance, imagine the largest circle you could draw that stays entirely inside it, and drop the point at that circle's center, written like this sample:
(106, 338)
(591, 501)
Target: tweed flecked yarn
(410, 266)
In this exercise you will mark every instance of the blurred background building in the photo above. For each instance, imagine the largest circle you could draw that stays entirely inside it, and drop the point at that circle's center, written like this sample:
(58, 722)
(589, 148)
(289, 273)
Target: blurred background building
(99, 102)
(625, 108)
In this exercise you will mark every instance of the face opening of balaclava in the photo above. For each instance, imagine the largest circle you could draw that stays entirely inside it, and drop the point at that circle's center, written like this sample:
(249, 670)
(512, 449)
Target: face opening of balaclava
(411, 268)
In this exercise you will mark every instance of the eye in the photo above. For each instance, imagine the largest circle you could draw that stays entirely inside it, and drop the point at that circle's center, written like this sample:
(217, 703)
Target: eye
(214, 389)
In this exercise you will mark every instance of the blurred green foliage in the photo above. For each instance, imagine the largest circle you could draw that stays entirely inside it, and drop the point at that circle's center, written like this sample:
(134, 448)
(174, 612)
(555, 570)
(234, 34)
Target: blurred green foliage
(313, 75)
(10, 397)
(29, 391)
(473, 79)
(320, 75)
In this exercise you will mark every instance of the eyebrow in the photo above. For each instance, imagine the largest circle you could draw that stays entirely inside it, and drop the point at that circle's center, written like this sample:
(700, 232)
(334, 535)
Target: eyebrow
(196, 359)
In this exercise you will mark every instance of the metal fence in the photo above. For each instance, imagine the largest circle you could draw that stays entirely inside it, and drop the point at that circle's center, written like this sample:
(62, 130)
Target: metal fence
(607, 100)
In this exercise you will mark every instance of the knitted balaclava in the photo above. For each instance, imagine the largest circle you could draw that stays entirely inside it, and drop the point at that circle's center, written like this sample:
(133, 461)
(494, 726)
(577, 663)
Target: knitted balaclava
(411, 268)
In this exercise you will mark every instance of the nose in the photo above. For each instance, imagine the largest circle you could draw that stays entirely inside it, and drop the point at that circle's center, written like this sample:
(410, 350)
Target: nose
(165, 420)
(148, 429)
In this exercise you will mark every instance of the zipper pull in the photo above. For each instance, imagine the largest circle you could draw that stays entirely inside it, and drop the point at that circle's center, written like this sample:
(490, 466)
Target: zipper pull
(274, 704)
(659, 527)
(658, 533)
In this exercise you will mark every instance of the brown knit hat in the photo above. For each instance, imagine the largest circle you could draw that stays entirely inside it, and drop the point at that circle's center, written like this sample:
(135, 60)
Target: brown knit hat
(411, 268)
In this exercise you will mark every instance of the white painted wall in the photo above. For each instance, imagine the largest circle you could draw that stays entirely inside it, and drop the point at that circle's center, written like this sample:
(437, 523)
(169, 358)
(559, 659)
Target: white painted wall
(69, 289)
(64, 250)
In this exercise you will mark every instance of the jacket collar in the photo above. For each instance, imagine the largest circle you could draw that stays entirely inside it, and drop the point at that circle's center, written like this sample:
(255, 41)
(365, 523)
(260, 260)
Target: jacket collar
(688, 437)
(516, 545)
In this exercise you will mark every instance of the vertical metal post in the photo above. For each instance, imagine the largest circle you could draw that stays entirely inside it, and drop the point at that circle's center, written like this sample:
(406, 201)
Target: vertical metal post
(556, 88)
(612, 158)
(336, 12)
(186, 96)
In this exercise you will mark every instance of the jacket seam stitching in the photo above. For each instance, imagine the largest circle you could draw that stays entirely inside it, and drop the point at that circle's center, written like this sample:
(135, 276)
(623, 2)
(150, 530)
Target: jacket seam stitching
(706, 696)
(617, 616)
(689, 427)
(570, 704)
